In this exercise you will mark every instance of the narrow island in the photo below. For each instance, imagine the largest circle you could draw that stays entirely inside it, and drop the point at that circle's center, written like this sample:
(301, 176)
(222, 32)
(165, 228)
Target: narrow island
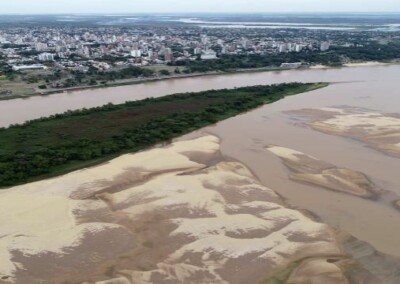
(73, 140)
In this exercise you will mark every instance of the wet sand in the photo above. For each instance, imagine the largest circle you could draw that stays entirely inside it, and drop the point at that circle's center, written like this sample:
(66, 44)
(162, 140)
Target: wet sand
(246, 136)
(307, 169)
(366, 64)
(380, 131)
(159, 216)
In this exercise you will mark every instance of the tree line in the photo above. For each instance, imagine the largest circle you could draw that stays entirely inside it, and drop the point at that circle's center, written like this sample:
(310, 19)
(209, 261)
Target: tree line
(334, 57)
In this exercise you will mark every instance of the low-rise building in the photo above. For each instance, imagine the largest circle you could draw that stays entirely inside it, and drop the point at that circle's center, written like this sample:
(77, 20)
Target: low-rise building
(29, 67)
(208, 55)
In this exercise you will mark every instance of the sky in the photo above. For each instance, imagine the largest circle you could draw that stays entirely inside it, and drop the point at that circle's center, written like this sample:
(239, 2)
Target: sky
(187, 6)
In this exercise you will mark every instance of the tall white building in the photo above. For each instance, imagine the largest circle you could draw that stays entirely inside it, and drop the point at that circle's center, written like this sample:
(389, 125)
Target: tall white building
(41, 46)
(283, 47)
(46, 57)
(204, 39)
(325, 45)
(298, 47)
(136, 53)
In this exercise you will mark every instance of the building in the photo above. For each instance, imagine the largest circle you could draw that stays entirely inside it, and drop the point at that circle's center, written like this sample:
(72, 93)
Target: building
(208, 54)
(246, 43)
(205, 40)
(29, 67)
(169, 55)
(41, 46)
(46, 57)
(291, 65)
(298, 48)
(325, 46)
(197, 51)
(283, 47)
(136, 53)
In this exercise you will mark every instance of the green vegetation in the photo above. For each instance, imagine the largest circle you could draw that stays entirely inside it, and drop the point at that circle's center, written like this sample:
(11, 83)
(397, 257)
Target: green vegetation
(65, 142)
(24, 83)
(234, 62)
(165, 72)
(334, 57)
(15, 83)
(93, 76)
(125, 73)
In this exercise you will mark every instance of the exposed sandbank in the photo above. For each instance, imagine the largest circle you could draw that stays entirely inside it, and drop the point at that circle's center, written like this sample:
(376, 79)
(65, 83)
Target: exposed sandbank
(378, 130)
(316, 172)
(156, 216)
(366, 64)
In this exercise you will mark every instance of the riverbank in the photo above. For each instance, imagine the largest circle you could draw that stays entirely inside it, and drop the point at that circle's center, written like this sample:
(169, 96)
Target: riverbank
(183, 76)
(356, 64)
(135, 81)
(102, 86)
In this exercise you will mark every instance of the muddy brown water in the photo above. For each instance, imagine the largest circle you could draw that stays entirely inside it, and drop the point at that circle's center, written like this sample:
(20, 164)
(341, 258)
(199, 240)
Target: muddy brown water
(244, 137)
(20, 110)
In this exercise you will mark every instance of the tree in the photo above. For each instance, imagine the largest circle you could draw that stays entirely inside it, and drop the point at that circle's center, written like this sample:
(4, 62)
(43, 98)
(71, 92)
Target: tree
(165, 72)
(92, 82)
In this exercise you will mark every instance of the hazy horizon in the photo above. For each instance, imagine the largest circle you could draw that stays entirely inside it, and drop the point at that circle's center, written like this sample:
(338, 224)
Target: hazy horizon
(206, 13)
(204, 6)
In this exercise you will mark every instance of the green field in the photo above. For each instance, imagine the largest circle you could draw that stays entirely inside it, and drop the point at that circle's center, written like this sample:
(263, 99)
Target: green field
(59, 144)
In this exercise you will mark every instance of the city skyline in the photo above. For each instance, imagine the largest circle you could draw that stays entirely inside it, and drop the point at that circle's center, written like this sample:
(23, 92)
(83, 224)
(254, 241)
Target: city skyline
(204, 6)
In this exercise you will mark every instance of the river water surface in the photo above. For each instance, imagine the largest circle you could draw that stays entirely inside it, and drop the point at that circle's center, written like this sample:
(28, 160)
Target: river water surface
(244, 137)
(20, 110)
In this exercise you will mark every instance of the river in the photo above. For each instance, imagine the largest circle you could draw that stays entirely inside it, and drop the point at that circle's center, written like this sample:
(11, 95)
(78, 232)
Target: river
(244, 137)
(20, 110)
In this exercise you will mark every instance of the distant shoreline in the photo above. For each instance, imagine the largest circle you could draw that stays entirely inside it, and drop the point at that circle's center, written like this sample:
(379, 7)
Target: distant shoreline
(356, 64)
(212, 73)
(136, 81)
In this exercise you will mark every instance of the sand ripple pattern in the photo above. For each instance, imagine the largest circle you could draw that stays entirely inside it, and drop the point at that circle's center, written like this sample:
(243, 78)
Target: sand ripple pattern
(176, 214)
